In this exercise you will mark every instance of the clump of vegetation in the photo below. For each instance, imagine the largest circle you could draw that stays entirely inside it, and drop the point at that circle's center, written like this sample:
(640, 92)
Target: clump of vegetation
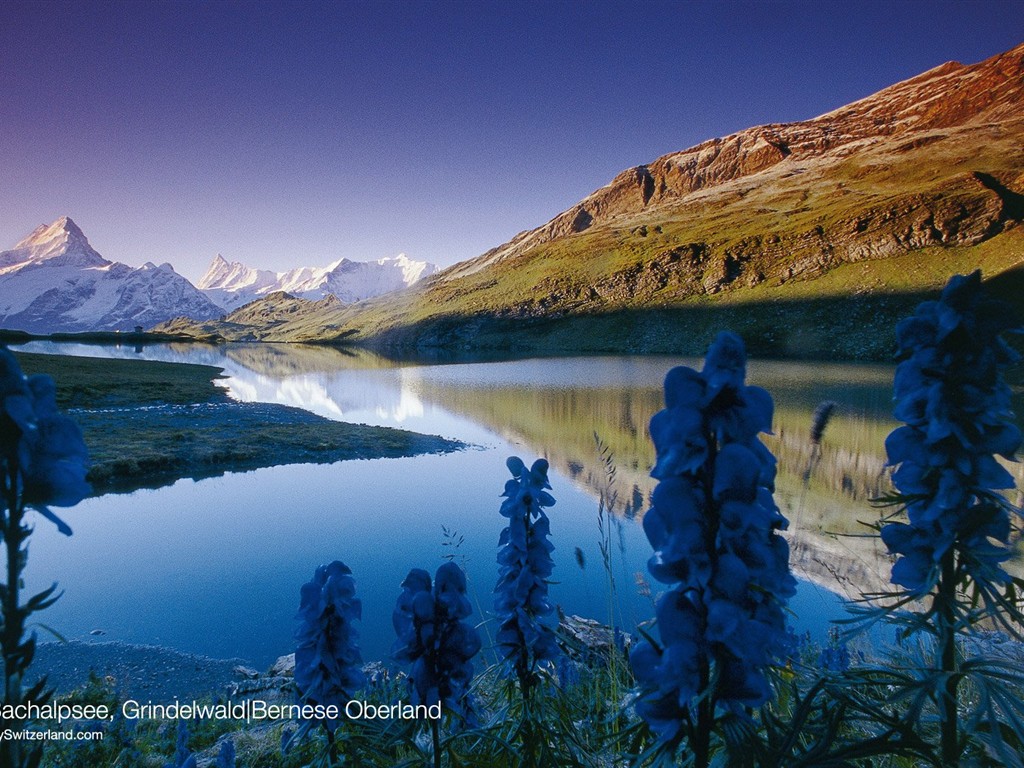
(43, 461)
(88, 382)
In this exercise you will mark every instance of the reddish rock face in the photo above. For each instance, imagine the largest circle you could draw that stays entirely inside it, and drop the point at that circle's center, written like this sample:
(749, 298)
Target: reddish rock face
(947, 96)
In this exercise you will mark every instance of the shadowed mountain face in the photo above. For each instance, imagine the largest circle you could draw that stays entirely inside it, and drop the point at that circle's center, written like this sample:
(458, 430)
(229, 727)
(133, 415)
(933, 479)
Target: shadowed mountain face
(886, 196)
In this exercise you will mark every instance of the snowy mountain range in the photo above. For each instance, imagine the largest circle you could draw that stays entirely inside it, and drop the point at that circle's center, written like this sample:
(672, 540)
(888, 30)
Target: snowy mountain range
(54, 281)
(233, 284)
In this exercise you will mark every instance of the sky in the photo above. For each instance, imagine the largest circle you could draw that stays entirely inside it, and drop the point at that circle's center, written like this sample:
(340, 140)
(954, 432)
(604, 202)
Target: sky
(286, 134)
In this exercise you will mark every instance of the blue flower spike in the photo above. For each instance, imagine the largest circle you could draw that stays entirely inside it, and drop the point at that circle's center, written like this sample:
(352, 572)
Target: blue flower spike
(714, 528)
(526, 632)
(434, 638)
(950, 393)
(45, 445)
(328, 665)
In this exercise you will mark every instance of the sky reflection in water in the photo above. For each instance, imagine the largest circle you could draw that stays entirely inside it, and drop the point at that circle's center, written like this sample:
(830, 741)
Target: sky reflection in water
(215, 566)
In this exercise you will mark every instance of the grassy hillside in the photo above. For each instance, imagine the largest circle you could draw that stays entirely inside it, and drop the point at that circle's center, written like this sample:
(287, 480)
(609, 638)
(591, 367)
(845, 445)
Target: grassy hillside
(833, 239)
(849, 313)
(809, 238)
(815, 260)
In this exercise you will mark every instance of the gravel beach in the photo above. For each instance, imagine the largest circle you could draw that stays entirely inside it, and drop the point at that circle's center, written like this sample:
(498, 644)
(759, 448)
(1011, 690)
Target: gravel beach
(142, 672)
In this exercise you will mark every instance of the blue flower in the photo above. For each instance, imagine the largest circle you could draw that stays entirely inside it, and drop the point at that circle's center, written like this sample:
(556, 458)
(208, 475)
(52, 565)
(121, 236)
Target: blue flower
(16, 411)
(433, 637)
(950, 393)
(226, 755)
(835, 658)
(669, 676)
(714, 527)
(568, 672)
(328, 666)
(45, 446)
(525, 633)
(183, 758)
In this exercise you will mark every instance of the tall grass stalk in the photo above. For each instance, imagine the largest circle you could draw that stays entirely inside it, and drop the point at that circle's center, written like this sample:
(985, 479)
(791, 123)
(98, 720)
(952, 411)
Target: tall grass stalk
(607, 499)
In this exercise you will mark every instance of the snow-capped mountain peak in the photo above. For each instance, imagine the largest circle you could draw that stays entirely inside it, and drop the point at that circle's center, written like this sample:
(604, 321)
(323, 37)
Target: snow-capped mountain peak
(412, 271)
(62, 230)
(214, 273)
(232, 284)
(61, 242)
(53, 280)
(233, 276)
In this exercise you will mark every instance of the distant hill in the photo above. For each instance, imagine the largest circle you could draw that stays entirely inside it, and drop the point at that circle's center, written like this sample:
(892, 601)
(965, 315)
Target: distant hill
(809, 238)
(258, 320)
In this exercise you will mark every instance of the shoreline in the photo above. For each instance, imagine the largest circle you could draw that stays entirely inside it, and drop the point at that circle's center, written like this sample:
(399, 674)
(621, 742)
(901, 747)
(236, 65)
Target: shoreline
(149, 424)
(201, 440)
(151, 672)
(431, 353)
(139, 670)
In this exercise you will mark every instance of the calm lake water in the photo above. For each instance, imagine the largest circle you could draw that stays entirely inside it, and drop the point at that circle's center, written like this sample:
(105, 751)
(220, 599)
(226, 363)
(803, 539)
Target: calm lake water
(214, 566)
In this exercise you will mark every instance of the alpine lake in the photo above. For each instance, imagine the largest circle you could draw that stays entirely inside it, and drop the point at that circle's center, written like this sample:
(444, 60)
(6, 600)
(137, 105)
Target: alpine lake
(214, 566)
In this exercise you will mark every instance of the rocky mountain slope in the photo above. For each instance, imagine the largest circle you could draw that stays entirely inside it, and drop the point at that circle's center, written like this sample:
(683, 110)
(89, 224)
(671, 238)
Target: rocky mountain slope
(53, 280)
(810, 238)
(926, 106)
(233, 284)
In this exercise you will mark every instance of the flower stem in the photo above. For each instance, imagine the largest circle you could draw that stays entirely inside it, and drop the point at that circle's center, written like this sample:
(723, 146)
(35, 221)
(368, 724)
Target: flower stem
(947, 649)
(14, 535)
(530, 757)
(435, 732)
(706, 706)
(705, 721)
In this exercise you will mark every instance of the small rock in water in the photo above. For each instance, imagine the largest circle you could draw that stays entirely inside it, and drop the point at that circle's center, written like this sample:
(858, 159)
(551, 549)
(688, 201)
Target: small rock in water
(247, 672)
(376, 673)
(98, 632)
(283, 667)
(591, 636)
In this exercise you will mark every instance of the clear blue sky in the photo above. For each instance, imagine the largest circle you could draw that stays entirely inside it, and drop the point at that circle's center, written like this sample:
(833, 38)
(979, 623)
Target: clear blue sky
(294, 133)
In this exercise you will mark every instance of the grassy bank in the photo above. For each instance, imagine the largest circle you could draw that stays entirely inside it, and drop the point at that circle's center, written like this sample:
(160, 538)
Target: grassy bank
(90, 383)
(148, 424)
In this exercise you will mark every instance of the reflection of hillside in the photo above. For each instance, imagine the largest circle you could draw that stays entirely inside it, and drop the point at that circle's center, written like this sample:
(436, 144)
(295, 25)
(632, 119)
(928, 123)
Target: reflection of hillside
(826, 509)
(561, 424)
(281, 360)
(555, 407)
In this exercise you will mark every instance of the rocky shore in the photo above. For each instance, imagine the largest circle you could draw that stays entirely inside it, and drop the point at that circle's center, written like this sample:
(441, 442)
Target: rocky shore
(160, 674)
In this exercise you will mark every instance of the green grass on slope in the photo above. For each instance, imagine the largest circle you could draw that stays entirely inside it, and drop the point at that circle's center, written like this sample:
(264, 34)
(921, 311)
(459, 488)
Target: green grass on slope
(89, 382)
(848, 313)
(773, 255)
